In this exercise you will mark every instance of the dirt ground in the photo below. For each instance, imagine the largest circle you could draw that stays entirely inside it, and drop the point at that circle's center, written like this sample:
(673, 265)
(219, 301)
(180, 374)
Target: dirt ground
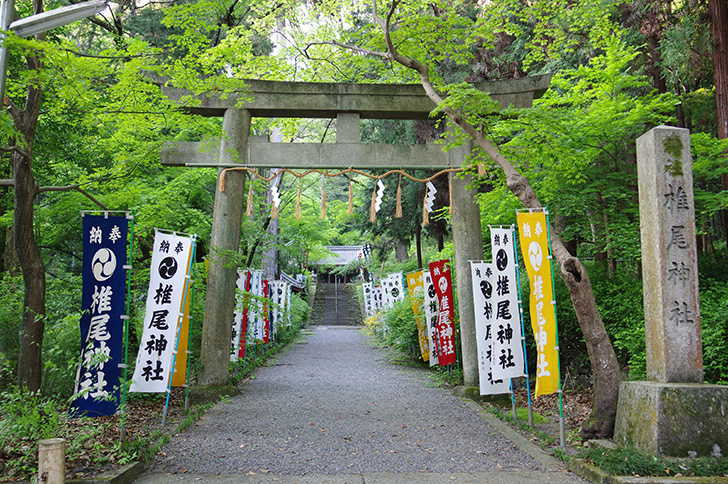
(92, 445)
(577, 408)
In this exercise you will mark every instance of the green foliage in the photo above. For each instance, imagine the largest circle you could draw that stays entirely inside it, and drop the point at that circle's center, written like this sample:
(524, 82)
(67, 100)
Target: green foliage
(401, 326)
(543, 437)
(619, 299)
(26, 419)
(714, 328)
(11, 314)
(709, 164)
(61, 355)
(577, 147)
(628, 462)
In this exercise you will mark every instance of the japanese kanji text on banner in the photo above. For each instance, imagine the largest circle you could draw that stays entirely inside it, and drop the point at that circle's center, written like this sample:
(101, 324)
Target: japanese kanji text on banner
(442, 280)
(533, 232)
(482, 273)
(97, 387)
(164, 309)
(431, 310)
(507, 346)
(415, 283)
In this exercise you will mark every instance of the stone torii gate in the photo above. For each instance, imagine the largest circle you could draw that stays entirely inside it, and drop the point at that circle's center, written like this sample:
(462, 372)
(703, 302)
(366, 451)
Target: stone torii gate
(348, 103)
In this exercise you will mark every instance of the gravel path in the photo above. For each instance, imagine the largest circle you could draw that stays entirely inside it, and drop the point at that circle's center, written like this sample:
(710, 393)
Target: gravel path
(335, 404)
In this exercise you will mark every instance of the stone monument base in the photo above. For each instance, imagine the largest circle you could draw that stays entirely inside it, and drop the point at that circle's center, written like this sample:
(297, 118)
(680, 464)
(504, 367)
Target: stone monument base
(200, 394)
(672, 419)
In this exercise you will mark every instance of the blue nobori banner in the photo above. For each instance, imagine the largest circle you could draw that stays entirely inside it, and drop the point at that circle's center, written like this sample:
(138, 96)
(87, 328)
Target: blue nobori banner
(98, 382)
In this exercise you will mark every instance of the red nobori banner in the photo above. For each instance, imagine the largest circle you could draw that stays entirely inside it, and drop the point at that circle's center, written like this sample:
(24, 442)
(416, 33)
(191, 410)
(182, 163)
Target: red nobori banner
(442, 280)
(266, 311)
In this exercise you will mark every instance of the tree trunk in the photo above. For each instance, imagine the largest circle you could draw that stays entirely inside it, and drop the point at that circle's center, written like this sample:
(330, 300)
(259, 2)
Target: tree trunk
(605, 367)
(10, 259)
(719, 31)
(418, 244)
(31, 264)
(400, 251)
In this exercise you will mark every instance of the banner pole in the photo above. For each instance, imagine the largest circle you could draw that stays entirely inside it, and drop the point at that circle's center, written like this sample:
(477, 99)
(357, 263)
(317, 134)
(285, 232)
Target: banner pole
(562, 425)
(193, 269)
(180, 320)
(130, 216)
(523, 329)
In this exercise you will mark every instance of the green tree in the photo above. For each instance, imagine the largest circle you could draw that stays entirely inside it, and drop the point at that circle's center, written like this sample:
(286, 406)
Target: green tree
(419, 38)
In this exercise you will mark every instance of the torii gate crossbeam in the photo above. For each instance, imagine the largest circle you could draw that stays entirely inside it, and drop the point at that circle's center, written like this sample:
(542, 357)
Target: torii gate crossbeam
(348, 103)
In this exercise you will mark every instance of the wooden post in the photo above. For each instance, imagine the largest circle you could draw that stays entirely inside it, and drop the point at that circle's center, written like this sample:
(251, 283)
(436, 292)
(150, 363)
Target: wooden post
(52, 461)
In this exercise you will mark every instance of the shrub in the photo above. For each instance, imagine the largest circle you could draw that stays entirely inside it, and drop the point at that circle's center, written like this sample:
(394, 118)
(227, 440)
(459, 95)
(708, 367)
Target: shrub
(26, 419)
(401, 326)
(714, 326)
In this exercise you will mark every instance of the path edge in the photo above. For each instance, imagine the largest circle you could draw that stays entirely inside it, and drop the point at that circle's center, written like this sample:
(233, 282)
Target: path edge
(536, 452)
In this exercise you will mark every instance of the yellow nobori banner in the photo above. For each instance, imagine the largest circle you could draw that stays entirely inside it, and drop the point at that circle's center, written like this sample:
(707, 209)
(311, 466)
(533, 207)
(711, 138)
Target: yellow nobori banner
(533, 232)
(415, 283)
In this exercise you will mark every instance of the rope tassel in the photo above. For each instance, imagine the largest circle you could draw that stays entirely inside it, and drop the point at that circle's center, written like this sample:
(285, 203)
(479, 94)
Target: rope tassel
(351, 196)
(323, 197)
(249, 203)
(449, 187)
(298, 201)
(398, 210)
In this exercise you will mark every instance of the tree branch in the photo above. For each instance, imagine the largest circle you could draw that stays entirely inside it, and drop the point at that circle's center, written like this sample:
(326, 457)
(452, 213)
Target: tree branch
(112, 57)
(424, 72)
(13, 149)
(354, 48)
(68, 188)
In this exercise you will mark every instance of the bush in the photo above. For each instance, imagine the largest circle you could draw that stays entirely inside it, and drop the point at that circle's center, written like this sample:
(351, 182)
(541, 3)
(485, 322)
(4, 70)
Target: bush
(61, 355)
(11, 317)
(621, 306)
(619, 300)
(400, 326)
(26, 419)
(714, 326)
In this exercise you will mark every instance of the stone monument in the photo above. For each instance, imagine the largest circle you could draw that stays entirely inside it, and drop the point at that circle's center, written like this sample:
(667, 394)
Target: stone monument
(673, 413)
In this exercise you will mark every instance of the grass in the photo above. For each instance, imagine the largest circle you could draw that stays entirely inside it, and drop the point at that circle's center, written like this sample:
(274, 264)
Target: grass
(629, 462)
(537, 417)
(543, 437)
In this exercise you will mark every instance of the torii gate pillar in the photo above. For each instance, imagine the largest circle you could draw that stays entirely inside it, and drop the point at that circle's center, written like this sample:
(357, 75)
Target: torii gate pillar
(225, 240)
(467, 237)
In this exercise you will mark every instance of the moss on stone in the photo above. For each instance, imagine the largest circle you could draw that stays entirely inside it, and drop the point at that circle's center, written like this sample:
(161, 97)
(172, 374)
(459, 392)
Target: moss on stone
(211, 393)
(673, 148)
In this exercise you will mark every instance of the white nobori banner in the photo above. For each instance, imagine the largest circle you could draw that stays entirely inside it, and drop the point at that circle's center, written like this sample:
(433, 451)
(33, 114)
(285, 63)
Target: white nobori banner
(256, 322)
(482, 273)
(431, 312)
(367, 288)
(164, 309)
(508, 361)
